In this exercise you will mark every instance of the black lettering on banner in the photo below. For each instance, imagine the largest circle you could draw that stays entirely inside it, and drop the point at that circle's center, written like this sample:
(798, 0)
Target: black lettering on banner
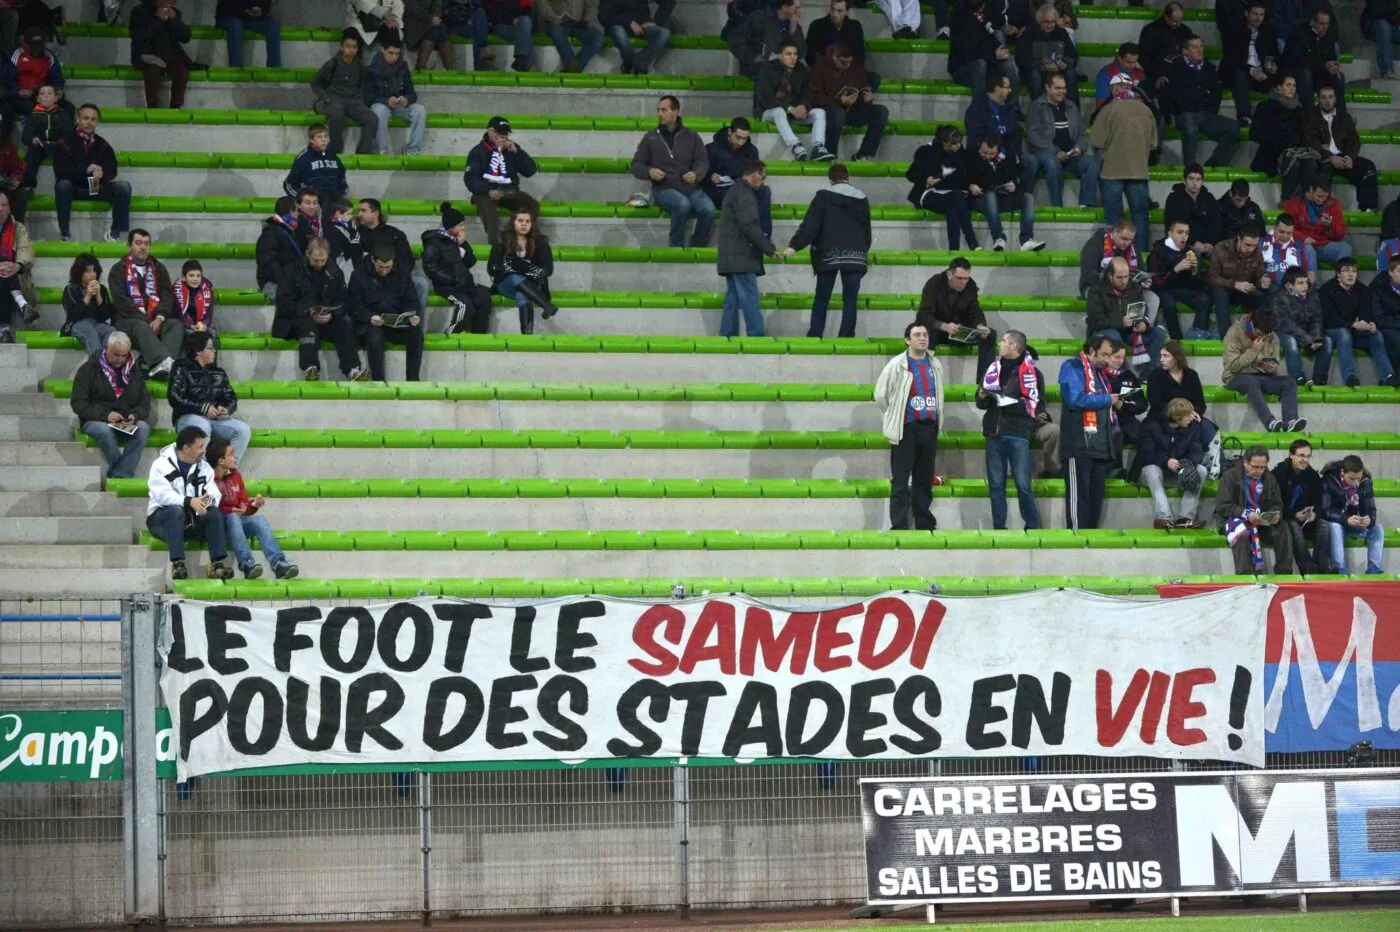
(240, 704)
(334, 629)
(192, 725)
(474, 707)
(569, 639)
(800, 704)
(520, 642)
(1030, 706)
(658, 700)
(285, 640)
(179, 660)
(864, 719)
(459, 635)
(761, 698)
(502, 711)
(390, 626)
(221, 640)
(981, 712)
(696, 696)
(298, 713)
(572, 737)
(362, 721)
(905, 696)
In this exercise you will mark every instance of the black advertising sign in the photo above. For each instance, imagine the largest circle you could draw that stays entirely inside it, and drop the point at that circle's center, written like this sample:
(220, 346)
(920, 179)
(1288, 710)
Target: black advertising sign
(1093, 836)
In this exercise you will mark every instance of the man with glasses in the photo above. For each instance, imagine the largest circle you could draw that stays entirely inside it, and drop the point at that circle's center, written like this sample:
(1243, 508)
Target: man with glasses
(1248, 509)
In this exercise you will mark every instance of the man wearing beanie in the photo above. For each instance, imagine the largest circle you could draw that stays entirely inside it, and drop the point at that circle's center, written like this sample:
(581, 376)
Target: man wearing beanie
(447, 261)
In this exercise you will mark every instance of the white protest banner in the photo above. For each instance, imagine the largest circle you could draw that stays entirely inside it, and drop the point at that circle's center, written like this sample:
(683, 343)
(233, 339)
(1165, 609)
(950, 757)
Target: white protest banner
(439, 681)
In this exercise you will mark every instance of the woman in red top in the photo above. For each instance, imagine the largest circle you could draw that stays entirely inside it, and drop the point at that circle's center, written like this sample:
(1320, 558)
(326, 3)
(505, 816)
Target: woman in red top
(241, 519)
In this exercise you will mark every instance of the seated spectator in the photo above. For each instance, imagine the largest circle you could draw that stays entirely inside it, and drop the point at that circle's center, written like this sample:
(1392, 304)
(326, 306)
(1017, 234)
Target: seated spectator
(939, 175)
(1248, 507)
(87, 305)
(1277, 128)
(1172, 449)
(113, 405)
(308, 216)
(184, 504)
(448, 261)
(761, 34)
(372, 20)
(1123, 71)
(1236, 277)
(17, 295)
(994, 175)
(142, 298)
(341, 86)
(1385, 309)
(509, 19)
(235, 17)
(29, 66)
(85, 168)
(1249, 61)
(1300, 490)
(950, 301)
(1387, 249)
(906, 15)
(317, 168)
(1310, 55)
(1298, 319)
(380, 295)
(731, 148)
(1251, 367)
(423, 31)
(12, 177)
(1128, 133)
(1089, 446)
(845, 93)
(201, 395)
(1349, 508)
(1048, 50)
(158, 37)
(978, 49)
(625, 19)
(996, 113)
(1281, 251)
(495, 167)
(1381, 21)
(1162, 42)
(280, 246)
(1331, 133)
(1008, 429)
(674, 160)
(1116, 241)
(1346, 320)
(45, 126)
(311, 307)
(742, 246)
(837, 228)
(1192, 93)
(376, 231)
(572, 19)
(837, 27)
(344, 238)
(1390, 220)
(241, 518)
(1318, 221)
(1237, 210)
(194, 300)
(1117, 308)
(390, 93)
(1192, 202)
(780, 96)
(1056, 141)
(1174, 378)
(520, 265)
(1178, 278)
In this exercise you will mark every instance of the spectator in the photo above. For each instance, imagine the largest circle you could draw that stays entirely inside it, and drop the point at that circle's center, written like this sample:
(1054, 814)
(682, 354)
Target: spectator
(977, 50)
(184, 504)
(939, 175)
(372, 20)
(113, 404)
(1124, 381)
(1162, 41)
(1388, 248)
(1298, 319)
(742, 246)
(1385, 309)
(1056, 141)
(158, 37)
(142, 297)
(511, 20)
(1178, 278)
(85, 167)
(731, 148)
(1282, 251)
(344, 238)
(996, 113)
(423, 31)
(87, 305)
(1008, 426)
(279, 246)
(1117, 308)
(308, 216)
(1319, 222)
(780, 96)
(1300, 491)
(494, 169)
(1236, 277)
(761, 34)
(1248, 507)
(1088, 443)
(317, 168)
(909, 394)
(1192, 93)
(380, 294)
(1310, 55)
(1045, 51)
(17, 295)
(1249, 62)
(1277, 128)
(390, 92)
(950, 301)
(1349, 508)
(674, 159)
(625, 19)
(30, 65)
(1103, 245)
(837, 27)
(1381, 21)
(1174, 378)
(1331, 133)
(12, 177)
(837, 228)
(845, 92)
(241, 518)
(1390, 220)
(906, 15)
(1173, 449)
(994, 174)
(572, 19)
(341, 86)
(201, 396)
(1251, 363)
(448, 261)
(1237, 210)
(44, 127)
(235, 17)
(1191, 202)
(311, 307)
(1126, 132)
(520, 265)
(1122, 73)
(374, 231)
(1346, 319)
(194, 300)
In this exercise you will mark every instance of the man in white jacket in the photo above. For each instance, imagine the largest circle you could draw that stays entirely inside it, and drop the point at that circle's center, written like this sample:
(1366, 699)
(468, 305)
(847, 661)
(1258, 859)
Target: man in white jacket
(909, 394)
(184, 502)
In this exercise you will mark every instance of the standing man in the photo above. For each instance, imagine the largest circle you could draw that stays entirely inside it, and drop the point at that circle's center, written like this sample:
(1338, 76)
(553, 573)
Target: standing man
(949, 301)
(1126, 132)
(494, 169)
(1012, 395)
(1089, 444)
(183, 504)
(1192, 93)
(142, 299)
(340, 87)
(909, 394)
(673, 158)
(837, 228)
(1056, 143)
(1248, 509)
(1349, 508)
(85, 168)
(113, 405)
(742, 246)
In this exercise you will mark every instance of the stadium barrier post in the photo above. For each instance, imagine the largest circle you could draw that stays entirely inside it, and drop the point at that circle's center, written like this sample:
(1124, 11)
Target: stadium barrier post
(425, 840)
(680, 779)
(141, 619)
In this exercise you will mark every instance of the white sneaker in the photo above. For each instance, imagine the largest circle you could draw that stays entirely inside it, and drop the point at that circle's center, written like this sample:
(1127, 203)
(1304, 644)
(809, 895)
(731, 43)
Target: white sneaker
(799, 152)
(1032, 245)
(942, 33)
(999, 244)
(639, 199)
(162, 368)
(359, 374)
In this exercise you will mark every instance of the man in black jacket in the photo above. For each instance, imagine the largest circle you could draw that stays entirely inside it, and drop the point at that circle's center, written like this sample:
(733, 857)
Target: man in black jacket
(977, 49)
(448, 261)
(1349, 508)
(1178, 278)
(376, 231)
(1249, 59)
(837, 228)
(1161, 41)
(1192, 93)
(200, 394)
(279, 245)
(780, 96)
(1191, 202)
(948, 303)
(1009, 425)
(1311, 57)
(1300, 489)
(837, 26)
(1237, 210)
(1385, 308)
(758, 38)
(311, 308)
(340, 87)
(1346, 320)
(113, 405)
(383, 307)
(728, 152)
(494, 169)
(85, 168)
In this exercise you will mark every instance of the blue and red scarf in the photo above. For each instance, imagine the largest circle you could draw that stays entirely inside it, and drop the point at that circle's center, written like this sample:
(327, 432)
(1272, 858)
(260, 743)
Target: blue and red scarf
(1025, 375)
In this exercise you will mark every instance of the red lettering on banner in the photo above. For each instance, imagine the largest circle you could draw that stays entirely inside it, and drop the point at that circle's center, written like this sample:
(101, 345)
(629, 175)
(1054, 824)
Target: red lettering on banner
(1156, 702)
(831, 638)
(1184, 708)
(1113, 723)
(928, 630)
(717, 623)
(644, 636)
(795, 638)
(875, 616)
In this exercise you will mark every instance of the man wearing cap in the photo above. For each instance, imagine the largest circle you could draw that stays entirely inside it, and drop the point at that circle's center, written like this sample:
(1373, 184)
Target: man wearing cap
(494, 169)
(673, 158)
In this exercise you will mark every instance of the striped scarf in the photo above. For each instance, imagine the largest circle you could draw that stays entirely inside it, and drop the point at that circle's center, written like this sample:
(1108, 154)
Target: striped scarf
(1110, 252)
(141, 289)
(119, 379)
(1090, 417)
(1025, 374)
(194, 306)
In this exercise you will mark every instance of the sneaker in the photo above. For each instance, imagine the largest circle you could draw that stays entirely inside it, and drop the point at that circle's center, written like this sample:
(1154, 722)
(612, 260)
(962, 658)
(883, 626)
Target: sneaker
(973, 247)
(29, 313)
(820, 154)
(311, 374)
(942, 33)
(285, 571)
(1391, 381)
(639, 200)
(359, 374)
(161, 371)
(178, 570)
(999, 244)
(1163, 524)
(1297, 426)
(1300, 381)
(115, 236)
(64, 238)
(217, 570)
(1353, 381)
(253, 572)
(1032, 245)
(1244, 122)
(799, 152)
(1275, 426)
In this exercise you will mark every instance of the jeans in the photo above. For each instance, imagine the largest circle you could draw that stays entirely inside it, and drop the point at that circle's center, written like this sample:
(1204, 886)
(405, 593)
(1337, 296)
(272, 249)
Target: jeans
(167, 523)
(1332, 252)
(1196, 300)
(1375, 544)
(974, 74)
(911, 476)
(510, 287)
(1113, 191)
(235, 431)
(1155, 338)
(989, 204)
(1154, 478)
(1342, 340)
(237, 530)
(93, 334)
(1223, 298)
(741, 295)
(850, 298)
(816, 118)
(657, 39)
(590, 38)
(1014, 452)
(415, 114)
(267, 27)
(336, 109)
(118, 192)
(957, 214)
(1256, 385)
(1195, 124)
(1085, 165)
(1293, 359)
(680, 206)
(1384, 34)
(121, 462)
(874, 117)
(519, 33)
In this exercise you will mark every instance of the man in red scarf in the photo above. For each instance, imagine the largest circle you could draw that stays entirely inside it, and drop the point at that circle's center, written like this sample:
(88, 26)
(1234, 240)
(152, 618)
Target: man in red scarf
(17, 297)
(144, 305)
(1089, 444)
(111, 400)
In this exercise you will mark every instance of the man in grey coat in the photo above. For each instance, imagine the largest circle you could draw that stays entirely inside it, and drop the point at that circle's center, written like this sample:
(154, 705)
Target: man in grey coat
(1056, 141)
(340, 87)
(673, 158)
(742, 246)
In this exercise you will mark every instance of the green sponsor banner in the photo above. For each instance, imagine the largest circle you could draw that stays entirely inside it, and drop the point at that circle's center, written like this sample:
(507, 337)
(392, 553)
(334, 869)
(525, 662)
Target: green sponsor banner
(52, 746)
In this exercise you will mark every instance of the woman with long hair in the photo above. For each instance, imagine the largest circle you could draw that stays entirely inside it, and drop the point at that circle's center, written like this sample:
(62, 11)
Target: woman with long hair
(939, 174)
(1174, 378)
(520, 265)
(87, 304)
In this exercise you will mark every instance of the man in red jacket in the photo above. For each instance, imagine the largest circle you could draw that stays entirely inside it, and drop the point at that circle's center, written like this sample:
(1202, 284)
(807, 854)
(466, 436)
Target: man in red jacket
(241, 518)
(1318, 221)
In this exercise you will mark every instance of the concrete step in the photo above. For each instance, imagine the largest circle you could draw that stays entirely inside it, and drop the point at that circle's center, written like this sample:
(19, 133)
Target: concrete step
(33, 403)
(30, 427)
(94, 556)
(19, 380)
(52, 478)
(66, 531)
(47, 453)
(92, 583)
(63, 505)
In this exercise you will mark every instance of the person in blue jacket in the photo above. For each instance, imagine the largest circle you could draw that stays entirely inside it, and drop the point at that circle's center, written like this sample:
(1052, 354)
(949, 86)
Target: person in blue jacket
(1089, 446)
